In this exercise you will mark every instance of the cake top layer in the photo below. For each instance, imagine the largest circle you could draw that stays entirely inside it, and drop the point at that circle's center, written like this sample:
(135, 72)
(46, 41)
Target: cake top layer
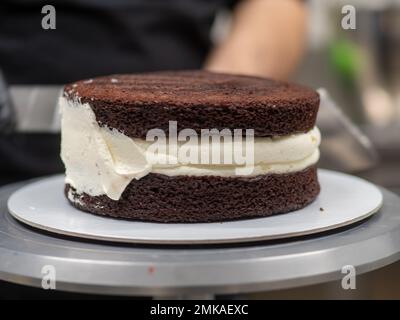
(188, 88)
(134, 104)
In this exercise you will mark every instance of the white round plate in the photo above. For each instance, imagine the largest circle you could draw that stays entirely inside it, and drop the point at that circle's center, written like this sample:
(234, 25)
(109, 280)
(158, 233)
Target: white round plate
(343, 200)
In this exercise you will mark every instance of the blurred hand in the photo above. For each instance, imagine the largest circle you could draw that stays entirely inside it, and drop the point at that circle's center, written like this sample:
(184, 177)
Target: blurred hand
(267, 38)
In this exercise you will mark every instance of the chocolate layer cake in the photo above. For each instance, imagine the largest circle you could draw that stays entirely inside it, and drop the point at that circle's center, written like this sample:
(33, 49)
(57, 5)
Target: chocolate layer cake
(110, 126)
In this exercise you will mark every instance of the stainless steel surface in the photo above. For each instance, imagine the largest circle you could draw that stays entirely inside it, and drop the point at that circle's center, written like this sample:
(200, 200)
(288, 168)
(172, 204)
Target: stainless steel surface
(7, 111)
(344, 147)
(378, 39)
(36, 108)
(164, 271)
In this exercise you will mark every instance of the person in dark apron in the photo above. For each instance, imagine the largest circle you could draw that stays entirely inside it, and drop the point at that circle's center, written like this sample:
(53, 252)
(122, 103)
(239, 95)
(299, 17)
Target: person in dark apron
(99, 37)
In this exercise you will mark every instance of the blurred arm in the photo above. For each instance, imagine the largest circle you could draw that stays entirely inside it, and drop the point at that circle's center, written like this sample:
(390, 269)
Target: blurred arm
(267, 38)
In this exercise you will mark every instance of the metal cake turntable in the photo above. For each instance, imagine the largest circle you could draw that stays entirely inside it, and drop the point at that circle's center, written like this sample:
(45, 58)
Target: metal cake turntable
(343, 200)
(105, 267)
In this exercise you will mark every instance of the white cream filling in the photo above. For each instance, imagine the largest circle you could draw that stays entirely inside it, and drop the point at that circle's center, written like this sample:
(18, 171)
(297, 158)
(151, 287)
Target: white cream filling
(101, 161)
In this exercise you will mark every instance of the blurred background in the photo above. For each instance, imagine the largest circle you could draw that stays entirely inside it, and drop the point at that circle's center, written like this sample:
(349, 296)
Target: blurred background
(351, 56)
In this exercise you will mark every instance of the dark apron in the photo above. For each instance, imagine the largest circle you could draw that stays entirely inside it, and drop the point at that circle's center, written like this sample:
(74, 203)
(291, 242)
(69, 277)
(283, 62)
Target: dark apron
(99, 37)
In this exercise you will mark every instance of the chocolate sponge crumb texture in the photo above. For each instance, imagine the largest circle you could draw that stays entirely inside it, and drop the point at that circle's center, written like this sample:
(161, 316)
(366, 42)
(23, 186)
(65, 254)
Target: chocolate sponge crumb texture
(105, 121)
(159, 198)
(135, 104)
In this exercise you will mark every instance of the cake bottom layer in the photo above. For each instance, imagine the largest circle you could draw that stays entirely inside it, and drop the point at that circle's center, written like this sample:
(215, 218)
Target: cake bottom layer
(179, 199)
